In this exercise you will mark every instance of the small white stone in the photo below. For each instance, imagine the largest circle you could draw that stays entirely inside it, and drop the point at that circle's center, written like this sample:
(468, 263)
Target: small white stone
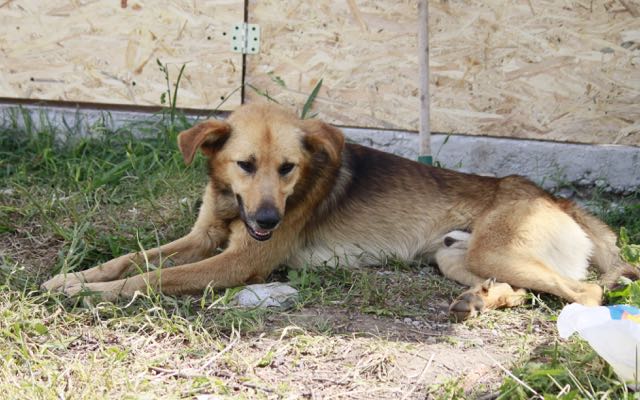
(264, 295)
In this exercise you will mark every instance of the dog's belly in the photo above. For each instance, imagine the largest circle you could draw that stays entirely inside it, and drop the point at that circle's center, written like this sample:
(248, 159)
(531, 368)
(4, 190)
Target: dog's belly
(365, 252)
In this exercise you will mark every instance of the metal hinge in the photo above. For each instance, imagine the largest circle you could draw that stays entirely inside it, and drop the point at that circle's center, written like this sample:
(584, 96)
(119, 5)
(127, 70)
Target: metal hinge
(245, 38)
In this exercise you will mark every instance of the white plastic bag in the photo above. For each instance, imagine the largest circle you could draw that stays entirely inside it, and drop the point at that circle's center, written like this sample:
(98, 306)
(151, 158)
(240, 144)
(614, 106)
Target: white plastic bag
(613, 332)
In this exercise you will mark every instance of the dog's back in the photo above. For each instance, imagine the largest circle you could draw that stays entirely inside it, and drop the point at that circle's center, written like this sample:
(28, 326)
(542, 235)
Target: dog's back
(382, 205)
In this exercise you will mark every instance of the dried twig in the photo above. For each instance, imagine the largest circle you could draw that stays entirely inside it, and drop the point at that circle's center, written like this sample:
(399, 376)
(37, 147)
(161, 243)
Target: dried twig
(191, 374)
(512, 376)
(220, 353)
(420, 378)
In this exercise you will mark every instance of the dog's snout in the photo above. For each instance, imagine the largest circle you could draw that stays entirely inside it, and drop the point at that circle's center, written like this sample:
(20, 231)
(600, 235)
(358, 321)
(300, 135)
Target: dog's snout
(267, 217)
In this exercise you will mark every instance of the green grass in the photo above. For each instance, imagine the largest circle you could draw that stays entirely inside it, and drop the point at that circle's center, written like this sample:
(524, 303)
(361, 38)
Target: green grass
(84, 193)
(627, 215)
(70, 200)
(565, 369)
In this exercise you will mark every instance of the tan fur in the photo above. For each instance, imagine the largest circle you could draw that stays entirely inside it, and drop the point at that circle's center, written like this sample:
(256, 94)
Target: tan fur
(284, 190)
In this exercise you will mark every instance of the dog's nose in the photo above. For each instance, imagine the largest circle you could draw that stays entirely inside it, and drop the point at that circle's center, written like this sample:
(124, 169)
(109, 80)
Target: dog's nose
(267, 217)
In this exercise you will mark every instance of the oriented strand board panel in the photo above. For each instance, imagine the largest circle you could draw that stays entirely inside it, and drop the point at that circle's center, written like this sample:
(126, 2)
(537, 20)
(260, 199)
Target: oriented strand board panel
(549, 69)
(365, 52)
(106, 51)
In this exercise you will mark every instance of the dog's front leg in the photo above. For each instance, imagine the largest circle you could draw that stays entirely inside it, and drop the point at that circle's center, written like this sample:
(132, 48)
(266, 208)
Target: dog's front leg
(195, 246)
(245, 261)
(209, 232)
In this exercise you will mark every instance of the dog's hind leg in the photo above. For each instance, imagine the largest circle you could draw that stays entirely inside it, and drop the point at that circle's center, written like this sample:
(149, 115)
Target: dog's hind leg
(606, 254)
(451, 259)
(533, 244)
(487, 295)
(515, 269)
(510, 270)
(484, 293)
(535, 275)
(527, 273)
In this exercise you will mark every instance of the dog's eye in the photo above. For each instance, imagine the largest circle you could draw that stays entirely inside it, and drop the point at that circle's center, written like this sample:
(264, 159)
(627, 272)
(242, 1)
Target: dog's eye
(247, 166)
(285, 168)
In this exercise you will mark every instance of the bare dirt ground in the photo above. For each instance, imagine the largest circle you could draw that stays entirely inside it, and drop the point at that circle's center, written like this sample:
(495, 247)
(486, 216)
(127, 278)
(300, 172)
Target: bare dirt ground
(379, 357)
(383, 334)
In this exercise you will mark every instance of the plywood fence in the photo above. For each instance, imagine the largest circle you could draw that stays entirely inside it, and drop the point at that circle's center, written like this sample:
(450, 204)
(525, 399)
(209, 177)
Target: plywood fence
(106, 51)
(365, 52)
(565, 70)
(548, 69)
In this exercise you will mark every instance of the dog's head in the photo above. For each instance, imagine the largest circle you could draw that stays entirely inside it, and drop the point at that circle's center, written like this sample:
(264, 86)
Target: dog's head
(261, 153)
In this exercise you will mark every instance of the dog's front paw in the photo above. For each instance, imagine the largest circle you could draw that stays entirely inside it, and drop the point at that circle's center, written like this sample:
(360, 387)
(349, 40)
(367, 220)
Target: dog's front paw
(105, 291)
(61, 282)
(467, 305)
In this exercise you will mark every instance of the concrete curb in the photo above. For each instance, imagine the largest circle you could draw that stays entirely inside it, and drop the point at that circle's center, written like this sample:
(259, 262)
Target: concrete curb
(613, 168)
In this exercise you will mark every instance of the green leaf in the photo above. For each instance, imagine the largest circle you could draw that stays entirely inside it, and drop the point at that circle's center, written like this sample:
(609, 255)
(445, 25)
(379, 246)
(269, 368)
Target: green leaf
(277, 80)
(619, 295)
(266, 360)
(40, 329)
(624, 236)
(312, 97)
(262, 93)
(635, 294)
(629, 294)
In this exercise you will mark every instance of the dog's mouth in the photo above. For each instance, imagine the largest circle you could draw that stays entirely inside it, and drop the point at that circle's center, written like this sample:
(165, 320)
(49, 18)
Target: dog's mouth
(257, 233)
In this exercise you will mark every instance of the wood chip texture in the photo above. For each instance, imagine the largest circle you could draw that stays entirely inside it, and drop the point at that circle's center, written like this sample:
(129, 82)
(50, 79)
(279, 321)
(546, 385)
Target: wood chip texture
(106, 51)
(551, 70)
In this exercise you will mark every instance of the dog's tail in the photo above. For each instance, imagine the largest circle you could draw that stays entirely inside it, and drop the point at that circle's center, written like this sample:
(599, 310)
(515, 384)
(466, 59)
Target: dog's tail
(606, 254)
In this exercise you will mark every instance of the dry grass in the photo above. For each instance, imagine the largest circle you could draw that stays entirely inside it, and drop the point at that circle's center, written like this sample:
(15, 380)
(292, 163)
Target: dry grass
(356, 333)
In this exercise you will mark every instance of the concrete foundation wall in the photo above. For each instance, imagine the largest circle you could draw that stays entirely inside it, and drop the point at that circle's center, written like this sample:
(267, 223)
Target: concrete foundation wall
(614, 168)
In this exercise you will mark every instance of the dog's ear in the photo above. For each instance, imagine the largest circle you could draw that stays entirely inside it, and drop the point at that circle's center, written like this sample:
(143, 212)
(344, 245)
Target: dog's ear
(321, 137)
(209, 136)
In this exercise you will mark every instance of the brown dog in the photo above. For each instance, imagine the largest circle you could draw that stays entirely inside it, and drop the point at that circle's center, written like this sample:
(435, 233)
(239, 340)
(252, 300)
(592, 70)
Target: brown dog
(289, 191)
